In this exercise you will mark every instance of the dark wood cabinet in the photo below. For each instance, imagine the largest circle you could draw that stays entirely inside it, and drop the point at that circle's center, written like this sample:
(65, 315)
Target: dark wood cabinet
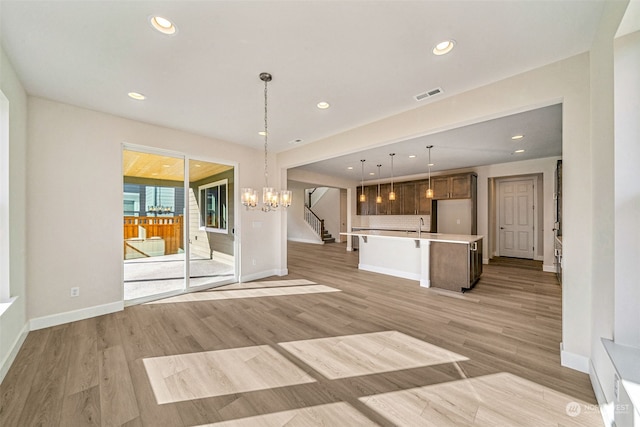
(411, 196)
(408, 202)
(368, 207)
(384, 208)
(453, 187)
(455, 266)
(396, 206)
(424, 204)
(441, 187)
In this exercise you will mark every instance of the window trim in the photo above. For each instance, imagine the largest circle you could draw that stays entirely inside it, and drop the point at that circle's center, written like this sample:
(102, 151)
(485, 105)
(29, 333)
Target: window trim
(5, 228)
(202, 204)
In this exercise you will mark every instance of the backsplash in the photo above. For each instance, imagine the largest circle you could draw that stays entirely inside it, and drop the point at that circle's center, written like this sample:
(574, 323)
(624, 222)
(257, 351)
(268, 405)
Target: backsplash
(395, 222)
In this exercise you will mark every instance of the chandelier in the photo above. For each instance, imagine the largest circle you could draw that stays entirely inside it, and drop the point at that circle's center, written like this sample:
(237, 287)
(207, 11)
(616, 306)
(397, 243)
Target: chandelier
(271, 199)
(363, 198)
(379, 196)
(429, 193)
(392, 194)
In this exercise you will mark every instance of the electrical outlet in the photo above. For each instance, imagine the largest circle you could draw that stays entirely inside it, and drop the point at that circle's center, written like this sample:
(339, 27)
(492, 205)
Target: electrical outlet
(75, 292)
(253, 261)
(457, 221)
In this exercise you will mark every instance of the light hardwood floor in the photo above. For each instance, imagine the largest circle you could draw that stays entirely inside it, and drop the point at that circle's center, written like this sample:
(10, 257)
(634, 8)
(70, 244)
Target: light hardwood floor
(395, 354)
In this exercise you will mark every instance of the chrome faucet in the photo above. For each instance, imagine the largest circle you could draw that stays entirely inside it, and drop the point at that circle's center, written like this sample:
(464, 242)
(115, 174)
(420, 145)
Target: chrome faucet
(420, 224)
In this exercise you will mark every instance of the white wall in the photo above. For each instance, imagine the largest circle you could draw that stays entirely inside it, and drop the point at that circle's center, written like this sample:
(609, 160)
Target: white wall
(75, 170)
(602, 198)
(627, 190)
(566, 81)
(13, 321)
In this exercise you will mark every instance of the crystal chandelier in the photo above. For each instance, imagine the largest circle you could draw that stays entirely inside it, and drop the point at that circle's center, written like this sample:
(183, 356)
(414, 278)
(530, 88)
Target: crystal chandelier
(271, 199)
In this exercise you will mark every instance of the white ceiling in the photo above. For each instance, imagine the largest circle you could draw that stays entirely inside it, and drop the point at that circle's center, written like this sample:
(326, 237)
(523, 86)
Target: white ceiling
(367, 58)
(484, 143)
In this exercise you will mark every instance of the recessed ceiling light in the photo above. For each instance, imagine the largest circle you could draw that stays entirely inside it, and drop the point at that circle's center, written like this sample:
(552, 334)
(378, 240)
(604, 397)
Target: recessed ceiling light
(517, 137)
(163, 25)
(519, 151)
(443, 47)
(262, 133)
(412, 156)
(431, 164)
(166, 166)
(372, 173)
(198, 165)
(323, 105)
(137, 96)
(295, 141)
(350, 168)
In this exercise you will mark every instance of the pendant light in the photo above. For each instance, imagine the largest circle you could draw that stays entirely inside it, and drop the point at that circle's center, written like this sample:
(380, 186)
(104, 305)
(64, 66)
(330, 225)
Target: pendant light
(392, 194)
(379, 197)
(271, 199)
(429, 190)
(363, 198)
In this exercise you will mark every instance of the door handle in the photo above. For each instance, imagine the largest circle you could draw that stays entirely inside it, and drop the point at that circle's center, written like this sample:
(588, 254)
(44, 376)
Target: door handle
(501, 228)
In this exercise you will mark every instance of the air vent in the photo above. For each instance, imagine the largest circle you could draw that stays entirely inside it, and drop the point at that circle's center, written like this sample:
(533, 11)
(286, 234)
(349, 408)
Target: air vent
(428, 94)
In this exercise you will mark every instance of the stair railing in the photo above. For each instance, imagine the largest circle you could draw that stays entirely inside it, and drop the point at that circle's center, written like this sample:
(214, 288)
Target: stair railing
(314, 221)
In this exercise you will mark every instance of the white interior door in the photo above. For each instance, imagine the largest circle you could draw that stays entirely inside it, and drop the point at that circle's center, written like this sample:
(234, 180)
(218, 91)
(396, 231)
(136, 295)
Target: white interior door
(516, 218)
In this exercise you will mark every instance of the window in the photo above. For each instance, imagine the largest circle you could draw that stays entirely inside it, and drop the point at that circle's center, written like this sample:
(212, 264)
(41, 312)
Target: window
(213, 206)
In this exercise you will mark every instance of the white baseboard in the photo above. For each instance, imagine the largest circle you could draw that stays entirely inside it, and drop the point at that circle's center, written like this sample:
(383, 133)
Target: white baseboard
(262, 274)
(549, 268)
(315, 242)
(389, 271)
(224, 258)
(15, 348)
(606, 408)
(75, 315)
(485, 261)
(574, 361)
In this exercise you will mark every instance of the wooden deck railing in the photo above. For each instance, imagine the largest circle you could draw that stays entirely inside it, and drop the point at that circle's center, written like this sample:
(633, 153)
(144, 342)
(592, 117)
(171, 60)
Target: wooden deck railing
(170, 228)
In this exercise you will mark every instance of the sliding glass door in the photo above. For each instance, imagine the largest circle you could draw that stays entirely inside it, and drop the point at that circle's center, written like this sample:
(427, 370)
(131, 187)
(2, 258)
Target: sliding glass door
(175, 228)
(153, 218)
(211, 233)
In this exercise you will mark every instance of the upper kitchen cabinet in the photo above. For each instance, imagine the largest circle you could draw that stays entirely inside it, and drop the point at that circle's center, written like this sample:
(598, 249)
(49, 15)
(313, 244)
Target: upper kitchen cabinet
(396, 206)
(368, 207)
(411, 196)
(423, 204)
(408, 194)
(383, 208)
(453, 186)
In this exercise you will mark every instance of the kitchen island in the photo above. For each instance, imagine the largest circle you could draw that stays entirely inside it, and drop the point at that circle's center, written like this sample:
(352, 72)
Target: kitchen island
(448, 261)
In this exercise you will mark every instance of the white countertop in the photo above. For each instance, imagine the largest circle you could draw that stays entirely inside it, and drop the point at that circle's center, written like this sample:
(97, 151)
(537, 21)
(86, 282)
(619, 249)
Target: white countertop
(626, 361)
(433, 237)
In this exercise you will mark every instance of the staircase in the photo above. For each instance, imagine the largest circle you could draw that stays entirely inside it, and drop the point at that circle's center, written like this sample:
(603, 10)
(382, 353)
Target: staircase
(318, 225)
(327, 238)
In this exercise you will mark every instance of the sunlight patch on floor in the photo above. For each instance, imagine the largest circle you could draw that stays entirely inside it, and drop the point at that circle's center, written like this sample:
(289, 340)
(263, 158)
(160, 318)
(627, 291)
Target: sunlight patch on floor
(364, 354)
(498, 399)
(247, 293)
(215, 373)
(268, 284)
